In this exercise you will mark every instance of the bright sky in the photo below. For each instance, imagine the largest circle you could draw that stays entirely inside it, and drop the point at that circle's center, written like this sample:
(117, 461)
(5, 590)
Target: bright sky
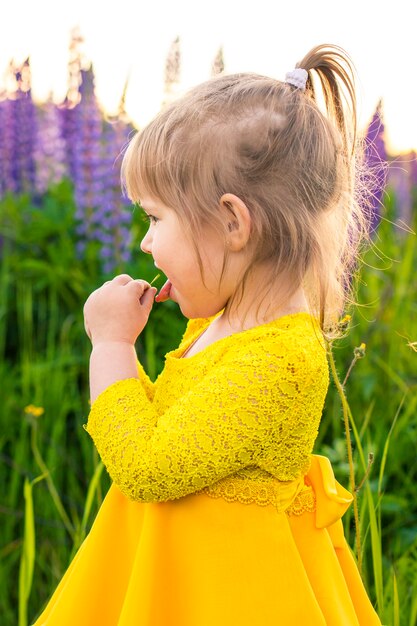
(132, 38)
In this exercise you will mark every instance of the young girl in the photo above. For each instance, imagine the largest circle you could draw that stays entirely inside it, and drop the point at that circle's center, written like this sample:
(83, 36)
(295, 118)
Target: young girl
(218, 512)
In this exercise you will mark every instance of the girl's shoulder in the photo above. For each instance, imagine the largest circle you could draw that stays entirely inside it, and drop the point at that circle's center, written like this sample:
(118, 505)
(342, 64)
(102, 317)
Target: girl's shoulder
(291, 347)
(294, 337)
(290, 333)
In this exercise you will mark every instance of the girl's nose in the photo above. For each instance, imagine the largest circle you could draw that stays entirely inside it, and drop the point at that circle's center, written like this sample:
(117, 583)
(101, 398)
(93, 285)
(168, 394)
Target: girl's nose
(146, 242)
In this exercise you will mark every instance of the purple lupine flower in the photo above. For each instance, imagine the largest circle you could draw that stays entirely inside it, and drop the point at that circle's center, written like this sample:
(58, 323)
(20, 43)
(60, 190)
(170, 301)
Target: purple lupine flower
(8, 181)
(80, 248)
(106, 252)
(93, 147)
(25, 131)
(82, 129)
(9, 129)
(87, 164)
(68, 123)
(17, 133)
(115, 211)
(376, 166)
(400, 181)
(413, 170)
(50, 151)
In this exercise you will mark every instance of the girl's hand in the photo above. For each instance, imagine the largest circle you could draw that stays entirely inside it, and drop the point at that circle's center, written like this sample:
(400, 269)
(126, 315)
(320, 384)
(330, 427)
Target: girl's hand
(118, 311)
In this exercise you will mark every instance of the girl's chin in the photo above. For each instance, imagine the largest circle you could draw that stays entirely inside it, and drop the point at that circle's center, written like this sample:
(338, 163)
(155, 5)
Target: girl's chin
(192, 309)
(193, 312)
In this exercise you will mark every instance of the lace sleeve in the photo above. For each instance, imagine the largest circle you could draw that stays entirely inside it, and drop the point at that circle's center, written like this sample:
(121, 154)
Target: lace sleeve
(220, 426)
(191, 332)
(147, 384)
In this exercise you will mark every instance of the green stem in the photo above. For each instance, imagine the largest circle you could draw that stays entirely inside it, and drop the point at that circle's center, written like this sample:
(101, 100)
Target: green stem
(351, 366)
(345, 409)
(52, 489)
(154, 279)
(367, 472)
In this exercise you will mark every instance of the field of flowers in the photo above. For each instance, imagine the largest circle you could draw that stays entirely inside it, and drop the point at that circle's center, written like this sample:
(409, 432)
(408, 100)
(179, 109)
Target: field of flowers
(64, 229)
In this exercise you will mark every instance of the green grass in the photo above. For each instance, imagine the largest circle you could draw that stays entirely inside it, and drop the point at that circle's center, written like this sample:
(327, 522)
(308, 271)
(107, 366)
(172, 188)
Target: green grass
(382, 395)
(54, 480)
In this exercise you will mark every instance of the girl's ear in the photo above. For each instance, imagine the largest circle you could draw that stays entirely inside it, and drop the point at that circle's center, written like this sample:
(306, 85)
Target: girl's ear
(236, 215)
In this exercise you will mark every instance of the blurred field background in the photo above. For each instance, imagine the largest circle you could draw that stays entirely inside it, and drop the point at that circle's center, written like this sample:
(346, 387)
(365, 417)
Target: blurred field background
(64, 229)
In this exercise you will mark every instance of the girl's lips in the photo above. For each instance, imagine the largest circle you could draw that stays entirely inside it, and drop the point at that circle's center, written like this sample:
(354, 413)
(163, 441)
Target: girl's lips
(164, 292)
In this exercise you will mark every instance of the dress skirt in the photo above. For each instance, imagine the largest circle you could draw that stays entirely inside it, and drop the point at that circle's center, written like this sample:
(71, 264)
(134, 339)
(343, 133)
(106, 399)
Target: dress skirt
(204, 561)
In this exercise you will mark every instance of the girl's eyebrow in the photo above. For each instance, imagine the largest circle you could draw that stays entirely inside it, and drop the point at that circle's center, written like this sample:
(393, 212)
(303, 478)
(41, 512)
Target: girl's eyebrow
(151, 204)
(148, 210)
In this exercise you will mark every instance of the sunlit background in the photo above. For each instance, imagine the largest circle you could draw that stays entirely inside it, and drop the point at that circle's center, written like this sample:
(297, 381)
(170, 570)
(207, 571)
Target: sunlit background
(129, 40)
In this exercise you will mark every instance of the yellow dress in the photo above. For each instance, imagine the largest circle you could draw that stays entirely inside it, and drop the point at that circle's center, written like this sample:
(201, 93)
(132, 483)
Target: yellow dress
(218, 513)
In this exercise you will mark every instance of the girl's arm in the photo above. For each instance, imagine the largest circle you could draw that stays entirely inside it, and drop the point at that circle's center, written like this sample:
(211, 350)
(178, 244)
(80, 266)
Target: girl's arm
(115, 314)
(109, 362)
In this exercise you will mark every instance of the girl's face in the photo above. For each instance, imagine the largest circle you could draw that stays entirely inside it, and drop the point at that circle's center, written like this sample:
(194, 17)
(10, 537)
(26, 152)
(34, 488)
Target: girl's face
(175, 255)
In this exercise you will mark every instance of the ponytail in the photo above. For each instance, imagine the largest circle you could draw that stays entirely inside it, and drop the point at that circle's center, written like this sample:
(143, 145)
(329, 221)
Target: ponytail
(334, 68)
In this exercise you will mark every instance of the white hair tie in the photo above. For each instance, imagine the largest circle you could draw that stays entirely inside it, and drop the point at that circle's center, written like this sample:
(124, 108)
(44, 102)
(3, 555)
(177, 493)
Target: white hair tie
(297, 78)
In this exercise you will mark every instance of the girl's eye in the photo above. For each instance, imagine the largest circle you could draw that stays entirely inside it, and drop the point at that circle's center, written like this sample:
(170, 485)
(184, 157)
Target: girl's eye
(150, 218)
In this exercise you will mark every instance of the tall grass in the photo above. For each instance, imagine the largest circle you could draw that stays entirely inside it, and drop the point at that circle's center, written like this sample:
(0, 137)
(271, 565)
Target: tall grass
(382, 395)
(54, 480)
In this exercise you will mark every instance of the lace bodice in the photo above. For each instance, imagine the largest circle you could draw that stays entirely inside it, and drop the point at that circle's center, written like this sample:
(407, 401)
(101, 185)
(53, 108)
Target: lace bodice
(247, 405)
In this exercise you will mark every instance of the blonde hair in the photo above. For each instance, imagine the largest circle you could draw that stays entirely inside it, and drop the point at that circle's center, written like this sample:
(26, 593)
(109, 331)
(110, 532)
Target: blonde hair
(288, 157)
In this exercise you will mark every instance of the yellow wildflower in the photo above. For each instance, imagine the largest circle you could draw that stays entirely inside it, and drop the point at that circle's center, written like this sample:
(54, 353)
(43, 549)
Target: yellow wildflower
(360, 351)
(36, 411)
(344, 322)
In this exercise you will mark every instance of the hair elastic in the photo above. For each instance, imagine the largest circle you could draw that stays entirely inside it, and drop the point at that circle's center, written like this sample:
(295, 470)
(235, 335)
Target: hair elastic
(297, 78)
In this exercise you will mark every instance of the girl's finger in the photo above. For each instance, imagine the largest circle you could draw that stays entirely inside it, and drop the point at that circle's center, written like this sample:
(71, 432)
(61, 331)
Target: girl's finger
(143, 284)
(148, 297)
(122, 279)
